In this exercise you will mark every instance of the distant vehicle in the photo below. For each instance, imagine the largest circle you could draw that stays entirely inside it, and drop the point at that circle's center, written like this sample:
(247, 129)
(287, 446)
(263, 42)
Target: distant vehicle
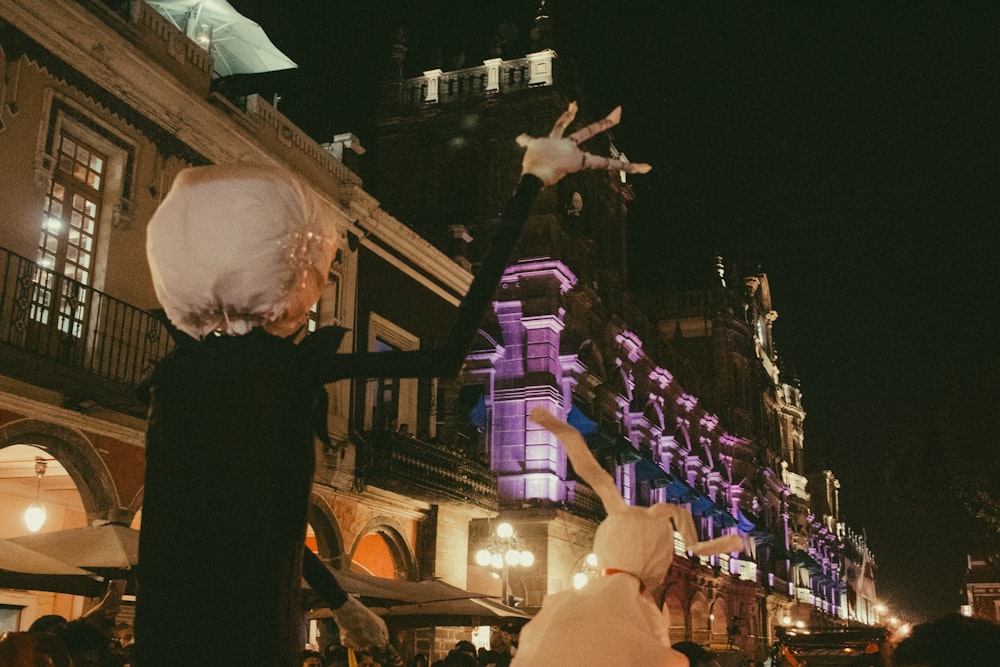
(829, 647)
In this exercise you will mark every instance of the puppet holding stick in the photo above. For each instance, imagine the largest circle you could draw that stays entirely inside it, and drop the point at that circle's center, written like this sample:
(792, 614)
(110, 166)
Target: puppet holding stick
(238, 255)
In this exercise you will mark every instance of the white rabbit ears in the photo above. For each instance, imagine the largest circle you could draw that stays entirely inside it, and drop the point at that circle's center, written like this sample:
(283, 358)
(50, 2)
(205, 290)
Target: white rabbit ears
(584, 463)
(587, 467)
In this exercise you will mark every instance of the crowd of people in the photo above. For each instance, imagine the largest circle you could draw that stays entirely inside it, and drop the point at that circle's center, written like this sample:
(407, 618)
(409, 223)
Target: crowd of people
(463, 654)
(96, 640)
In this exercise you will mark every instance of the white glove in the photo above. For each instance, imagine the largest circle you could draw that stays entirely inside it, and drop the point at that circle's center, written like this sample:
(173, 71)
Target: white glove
(360, 627)
(550, 158)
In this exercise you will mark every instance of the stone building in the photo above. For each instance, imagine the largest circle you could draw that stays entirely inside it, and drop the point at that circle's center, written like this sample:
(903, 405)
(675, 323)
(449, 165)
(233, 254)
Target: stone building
(101, 104)
(681, 397)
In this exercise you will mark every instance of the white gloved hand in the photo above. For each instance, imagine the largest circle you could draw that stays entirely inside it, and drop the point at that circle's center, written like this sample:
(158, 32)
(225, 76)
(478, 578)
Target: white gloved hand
(360, 627)
(550, 158)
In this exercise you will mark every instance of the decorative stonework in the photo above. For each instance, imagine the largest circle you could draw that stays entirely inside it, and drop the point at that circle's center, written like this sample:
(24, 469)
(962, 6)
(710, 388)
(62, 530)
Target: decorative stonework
(121, 216)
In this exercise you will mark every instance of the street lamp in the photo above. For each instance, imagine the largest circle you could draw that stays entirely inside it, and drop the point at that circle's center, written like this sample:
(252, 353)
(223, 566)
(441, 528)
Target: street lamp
(501, 552)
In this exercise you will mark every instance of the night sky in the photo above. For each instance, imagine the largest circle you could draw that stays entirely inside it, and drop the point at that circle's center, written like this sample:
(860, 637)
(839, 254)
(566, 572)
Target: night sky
(849, 149)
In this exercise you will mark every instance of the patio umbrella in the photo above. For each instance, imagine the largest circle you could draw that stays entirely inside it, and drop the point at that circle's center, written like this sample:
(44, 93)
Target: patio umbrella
(238, 45)
(421, 603)
(109, 549)
(23, 568)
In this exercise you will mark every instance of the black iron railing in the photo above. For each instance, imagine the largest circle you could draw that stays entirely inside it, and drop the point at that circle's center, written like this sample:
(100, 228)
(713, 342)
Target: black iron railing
(408, 465)
(46, 315)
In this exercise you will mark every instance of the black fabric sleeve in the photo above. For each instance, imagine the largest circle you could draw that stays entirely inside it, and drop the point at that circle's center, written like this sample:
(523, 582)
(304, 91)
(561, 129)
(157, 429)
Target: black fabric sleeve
(326, 366)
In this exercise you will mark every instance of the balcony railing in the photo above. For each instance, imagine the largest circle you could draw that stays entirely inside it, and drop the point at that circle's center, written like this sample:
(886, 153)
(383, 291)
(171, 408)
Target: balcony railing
(493, 77)
(50, 324)
(413, 467)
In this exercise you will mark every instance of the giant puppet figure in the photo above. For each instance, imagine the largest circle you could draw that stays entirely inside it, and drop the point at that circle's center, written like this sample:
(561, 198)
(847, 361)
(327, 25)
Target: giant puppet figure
(238, 255)
(615, 619)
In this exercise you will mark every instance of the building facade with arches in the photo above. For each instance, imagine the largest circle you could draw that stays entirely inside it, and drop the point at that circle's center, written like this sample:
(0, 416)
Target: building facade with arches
(682, 398)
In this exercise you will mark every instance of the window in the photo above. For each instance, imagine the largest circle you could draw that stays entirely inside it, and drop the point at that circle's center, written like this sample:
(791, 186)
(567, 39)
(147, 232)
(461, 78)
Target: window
(385, 414)
(67, 240)
(390, 402)
(10, 618)
(329, 299)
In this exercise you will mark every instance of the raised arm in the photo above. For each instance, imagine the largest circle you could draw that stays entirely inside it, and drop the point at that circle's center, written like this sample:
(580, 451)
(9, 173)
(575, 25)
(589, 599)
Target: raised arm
(546, 161)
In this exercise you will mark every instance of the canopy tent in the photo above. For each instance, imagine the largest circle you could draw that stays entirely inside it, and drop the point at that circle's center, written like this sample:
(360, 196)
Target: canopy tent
(24, 568)
(108, 549)
(238, 45)
(420, 603)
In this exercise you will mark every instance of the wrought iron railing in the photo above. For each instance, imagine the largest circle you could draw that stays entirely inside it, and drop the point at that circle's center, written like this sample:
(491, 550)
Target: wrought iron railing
(50, 317)
(414, 467)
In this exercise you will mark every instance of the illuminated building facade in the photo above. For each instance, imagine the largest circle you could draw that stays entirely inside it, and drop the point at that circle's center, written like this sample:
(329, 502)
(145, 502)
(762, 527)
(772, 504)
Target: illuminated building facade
(682, 396)
(102, 103)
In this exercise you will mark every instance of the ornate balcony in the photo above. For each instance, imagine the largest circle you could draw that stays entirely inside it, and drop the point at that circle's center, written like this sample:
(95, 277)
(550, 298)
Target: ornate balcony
(64, 336)
(426, 470)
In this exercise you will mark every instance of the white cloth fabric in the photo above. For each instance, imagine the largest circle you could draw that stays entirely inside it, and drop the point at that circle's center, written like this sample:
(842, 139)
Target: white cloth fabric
(234, 247)
(606, 623)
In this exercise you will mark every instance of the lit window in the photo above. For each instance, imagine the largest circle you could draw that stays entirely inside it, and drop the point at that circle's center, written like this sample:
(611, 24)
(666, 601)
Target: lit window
(66, 243)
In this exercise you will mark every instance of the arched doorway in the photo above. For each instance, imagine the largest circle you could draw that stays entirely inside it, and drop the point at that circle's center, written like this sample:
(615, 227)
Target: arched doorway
(76, 479)
(382, 552)
(60, 470)
(54, 491)
(700, 622)
(674, 611)
(719, 623)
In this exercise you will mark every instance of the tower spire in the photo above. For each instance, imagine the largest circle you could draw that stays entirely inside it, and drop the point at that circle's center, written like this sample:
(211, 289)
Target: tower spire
(541, 33)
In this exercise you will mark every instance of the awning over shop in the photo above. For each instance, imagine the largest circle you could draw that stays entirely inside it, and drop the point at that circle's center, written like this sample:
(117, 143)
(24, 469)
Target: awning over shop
(647, 470)
(702, 505)
(722, 515)
(678, 491)
(419, 603)
(803, 559)
(745, 523)
(581, 422)
(606, 441)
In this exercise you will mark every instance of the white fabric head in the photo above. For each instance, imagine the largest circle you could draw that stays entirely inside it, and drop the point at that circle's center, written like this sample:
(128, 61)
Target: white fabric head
(234, 247)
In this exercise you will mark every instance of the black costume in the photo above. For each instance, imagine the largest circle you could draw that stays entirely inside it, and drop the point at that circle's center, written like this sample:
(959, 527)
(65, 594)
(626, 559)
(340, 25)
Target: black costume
(229, 469)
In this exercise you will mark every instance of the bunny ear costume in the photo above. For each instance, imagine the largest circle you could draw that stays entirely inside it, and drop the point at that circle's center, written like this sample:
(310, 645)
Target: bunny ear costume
(611, 621)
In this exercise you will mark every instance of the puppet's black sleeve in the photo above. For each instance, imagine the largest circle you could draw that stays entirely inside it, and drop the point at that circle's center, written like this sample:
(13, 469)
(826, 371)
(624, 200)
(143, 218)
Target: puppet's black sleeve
(321, 580)
(325, 366)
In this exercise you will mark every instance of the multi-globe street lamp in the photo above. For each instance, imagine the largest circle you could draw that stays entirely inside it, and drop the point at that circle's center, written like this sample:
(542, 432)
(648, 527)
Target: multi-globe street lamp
(503, 551)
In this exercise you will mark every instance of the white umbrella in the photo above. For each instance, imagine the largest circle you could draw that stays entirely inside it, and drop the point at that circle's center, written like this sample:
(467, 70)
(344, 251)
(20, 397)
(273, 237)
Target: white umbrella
(238, 45)
(108, 548)
(23, 568)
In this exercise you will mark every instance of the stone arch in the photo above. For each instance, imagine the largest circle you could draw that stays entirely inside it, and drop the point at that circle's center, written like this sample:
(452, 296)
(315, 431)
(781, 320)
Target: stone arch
(329, 539)
(718, 622)
(81, 460)
(675, 618)
(700, 623)
(385, 532)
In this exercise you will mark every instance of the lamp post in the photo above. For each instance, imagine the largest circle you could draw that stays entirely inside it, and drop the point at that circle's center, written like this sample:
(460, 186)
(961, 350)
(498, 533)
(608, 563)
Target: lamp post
(501, 552)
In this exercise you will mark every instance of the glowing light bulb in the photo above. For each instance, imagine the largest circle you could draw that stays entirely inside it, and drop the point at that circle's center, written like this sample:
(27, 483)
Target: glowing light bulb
(512, 557)
(34, 516)
(527, 558)
(580, 580)
(483, 557)
(505, 530)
